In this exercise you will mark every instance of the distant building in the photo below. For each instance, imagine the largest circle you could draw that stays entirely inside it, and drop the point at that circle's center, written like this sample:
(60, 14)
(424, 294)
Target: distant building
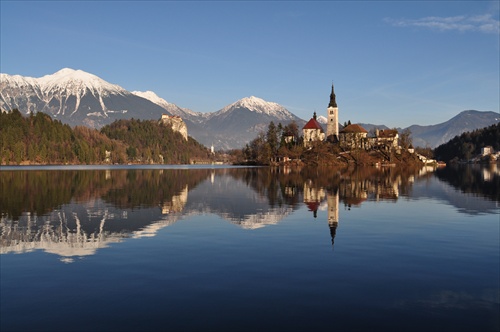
(289, 137)
(312, 132)
(487, 150)
(107, 159)
(387, 137)
(353, 137)
(177, 124)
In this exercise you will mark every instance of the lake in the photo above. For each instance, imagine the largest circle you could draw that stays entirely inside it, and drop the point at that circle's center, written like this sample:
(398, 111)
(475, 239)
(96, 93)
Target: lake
(148, 248)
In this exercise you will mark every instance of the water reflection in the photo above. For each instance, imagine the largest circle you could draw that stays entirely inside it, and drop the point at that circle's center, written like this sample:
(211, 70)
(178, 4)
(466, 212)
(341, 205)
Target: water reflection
(73, 213)
(471, 189)
(480, 180)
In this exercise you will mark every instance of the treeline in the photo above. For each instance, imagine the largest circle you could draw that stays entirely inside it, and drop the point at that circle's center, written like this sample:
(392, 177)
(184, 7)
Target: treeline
(284, 142)
(39, 139)
(469, 144)
(43, 191)
(277, 141)
(153, 141)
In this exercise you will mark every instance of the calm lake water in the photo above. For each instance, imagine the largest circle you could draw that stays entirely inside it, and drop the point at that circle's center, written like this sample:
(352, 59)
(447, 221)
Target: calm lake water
(249, 249)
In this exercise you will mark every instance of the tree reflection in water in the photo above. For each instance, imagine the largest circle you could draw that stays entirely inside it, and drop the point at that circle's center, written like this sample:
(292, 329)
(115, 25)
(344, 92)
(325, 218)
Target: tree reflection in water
(75, 212)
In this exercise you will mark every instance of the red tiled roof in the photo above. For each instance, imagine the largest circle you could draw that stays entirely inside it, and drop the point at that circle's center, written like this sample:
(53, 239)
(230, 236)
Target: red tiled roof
(387, 133)
(354, 128)
(313, 124)
(313, 206)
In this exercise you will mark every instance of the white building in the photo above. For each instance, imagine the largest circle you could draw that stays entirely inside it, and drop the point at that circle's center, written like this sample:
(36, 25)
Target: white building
(312, 132)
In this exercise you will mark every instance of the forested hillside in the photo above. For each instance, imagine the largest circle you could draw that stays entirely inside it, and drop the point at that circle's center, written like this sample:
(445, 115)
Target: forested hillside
(469, 144)
(155, 141)
(38, 139)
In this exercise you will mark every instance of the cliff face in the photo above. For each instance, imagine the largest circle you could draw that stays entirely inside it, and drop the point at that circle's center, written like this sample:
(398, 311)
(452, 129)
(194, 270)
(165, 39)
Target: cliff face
(177, 124)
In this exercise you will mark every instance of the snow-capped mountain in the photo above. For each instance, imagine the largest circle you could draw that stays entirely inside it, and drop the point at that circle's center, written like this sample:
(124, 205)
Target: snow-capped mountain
(74, 97)
(322, 119)
(240, 122)
(259, 106)
(231, 127)
(78, 83)
(173, 109)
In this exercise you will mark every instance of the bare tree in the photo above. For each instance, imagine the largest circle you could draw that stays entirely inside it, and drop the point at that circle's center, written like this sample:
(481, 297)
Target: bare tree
(405, 139)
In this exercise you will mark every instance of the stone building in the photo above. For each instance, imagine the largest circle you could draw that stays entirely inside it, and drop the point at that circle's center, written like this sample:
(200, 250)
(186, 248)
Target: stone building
(312, 132)
(353, 137)
(387, 137)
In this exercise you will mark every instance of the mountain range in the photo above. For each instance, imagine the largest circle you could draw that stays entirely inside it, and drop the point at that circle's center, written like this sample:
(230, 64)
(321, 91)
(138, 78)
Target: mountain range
(76, 97)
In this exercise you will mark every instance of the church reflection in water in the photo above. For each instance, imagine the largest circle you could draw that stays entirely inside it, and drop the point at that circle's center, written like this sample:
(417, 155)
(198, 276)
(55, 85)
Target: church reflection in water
(352, 189)
(74, 213)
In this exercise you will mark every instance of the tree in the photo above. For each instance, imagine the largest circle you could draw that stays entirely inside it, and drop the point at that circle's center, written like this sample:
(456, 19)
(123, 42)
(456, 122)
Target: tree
(131, 153)
(272, 138)
(405, 139)
(467, 150)
(19, 152)
(291, 130)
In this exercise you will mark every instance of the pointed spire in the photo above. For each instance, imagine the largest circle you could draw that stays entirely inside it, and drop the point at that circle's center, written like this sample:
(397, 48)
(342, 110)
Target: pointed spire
(314, 116)
(333, 232)
(332, 103)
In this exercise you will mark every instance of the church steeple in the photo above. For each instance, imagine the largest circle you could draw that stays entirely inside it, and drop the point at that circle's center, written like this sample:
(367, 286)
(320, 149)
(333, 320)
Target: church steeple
(332, 127)
(332, 103)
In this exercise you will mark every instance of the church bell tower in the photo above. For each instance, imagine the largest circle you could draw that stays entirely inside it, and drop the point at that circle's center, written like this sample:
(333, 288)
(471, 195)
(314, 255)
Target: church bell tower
(332, 127)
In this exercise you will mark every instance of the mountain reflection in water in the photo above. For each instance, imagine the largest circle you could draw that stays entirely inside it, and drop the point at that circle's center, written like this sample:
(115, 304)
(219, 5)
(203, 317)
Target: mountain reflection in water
(72, 213)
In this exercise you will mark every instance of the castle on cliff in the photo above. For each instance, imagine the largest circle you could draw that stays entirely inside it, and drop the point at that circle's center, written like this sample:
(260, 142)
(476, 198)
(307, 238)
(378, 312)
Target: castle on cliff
(177, 124)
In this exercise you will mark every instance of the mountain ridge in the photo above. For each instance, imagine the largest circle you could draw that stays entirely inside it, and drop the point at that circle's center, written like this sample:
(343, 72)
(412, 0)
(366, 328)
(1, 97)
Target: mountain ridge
(435, 135)
(74, 97)
(79, 98)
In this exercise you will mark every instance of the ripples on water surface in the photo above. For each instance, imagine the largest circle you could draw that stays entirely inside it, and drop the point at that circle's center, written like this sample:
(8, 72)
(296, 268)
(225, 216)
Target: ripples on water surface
(237, 249)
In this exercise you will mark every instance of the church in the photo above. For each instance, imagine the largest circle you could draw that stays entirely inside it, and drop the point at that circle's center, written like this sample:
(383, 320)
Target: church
(313, 131)
(350, 137)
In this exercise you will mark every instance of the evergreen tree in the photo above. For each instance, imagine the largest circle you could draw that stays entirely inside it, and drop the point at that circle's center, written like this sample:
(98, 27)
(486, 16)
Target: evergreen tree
(272, 138)
(469, 144)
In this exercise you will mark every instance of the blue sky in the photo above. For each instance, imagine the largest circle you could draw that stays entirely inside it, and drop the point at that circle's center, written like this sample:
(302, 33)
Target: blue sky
(396, 63)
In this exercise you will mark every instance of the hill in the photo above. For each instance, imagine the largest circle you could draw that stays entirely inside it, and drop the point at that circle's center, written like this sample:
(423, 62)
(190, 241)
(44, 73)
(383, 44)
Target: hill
(466, 121)
(469, 144)
(155, 142)
(39, 139)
